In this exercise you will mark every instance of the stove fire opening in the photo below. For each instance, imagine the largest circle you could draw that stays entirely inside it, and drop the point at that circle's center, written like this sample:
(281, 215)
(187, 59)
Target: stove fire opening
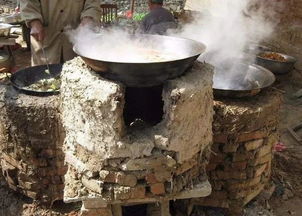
(143, 106)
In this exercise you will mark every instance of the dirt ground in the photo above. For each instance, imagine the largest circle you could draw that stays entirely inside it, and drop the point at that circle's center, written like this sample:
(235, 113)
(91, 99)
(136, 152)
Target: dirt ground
(283, 198)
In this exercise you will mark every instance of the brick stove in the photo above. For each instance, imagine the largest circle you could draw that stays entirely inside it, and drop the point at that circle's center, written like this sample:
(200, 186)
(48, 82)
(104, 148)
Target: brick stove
(31, 140)
(111, 163)
(245, 131)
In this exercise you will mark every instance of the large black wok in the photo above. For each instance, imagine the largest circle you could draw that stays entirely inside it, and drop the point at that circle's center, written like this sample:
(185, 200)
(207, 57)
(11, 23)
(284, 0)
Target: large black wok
(241, 80)
(145, 74)
(28, 76)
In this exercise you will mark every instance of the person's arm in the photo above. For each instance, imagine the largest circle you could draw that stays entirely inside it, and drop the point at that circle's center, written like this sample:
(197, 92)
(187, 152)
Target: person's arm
(31, 10)
(32, 15)
(91, 11)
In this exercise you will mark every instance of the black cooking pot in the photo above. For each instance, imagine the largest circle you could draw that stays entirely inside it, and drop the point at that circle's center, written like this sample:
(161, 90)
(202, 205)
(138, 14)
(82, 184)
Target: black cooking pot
(144, 74)
(241, 80)
(28, 76)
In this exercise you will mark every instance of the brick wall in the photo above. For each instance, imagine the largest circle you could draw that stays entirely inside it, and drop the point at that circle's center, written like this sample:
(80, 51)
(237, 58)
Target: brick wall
(245, 132)
(31, 141)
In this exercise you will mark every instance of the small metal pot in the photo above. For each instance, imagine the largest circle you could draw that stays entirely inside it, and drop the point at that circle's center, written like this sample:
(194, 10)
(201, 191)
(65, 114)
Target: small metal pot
(5, 29)
(255, 48)
(277, 67)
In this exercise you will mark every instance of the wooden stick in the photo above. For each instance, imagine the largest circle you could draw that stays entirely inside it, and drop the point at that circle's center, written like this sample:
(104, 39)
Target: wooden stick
(132, 6)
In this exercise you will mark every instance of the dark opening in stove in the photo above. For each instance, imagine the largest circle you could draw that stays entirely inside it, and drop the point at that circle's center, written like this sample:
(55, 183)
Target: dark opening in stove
(143, 106)
(135, 210)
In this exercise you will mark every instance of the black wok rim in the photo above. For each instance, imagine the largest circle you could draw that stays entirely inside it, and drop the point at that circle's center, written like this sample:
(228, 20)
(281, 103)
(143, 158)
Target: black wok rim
(202, 49)
(32, 92)
(241, 91)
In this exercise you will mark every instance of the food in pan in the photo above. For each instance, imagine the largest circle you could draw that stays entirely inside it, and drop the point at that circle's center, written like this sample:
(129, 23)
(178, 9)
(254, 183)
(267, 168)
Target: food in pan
(156, 56)
(136, 54)
(49, 85)
(273, 56)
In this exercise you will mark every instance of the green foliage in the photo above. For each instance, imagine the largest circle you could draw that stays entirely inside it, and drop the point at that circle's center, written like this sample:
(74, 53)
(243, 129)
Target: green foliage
(139, 16)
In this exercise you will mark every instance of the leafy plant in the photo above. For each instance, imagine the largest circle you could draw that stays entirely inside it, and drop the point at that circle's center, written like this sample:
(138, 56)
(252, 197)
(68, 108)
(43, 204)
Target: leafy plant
(139, 16)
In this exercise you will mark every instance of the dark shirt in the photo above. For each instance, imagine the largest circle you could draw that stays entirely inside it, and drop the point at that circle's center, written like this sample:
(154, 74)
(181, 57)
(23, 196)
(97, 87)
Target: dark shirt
(158, 21)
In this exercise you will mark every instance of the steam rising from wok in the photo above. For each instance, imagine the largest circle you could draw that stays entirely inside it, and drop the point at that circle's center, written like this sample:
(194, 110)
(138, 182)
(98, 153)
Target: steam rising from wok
(114, 45)
(227, 28)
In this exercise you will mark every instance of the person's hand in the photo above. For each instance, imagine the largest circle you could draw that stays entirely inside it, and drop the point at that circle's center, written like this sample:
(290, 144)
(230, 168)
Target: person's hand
(87, 21)
(37, 30)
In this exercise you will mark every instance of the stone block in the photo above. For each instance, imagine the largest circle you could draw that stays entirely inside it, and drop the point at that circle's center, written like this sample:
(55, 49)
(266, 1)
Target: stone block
(94, 204)
(127, 193)
(186, 166)
(150, 163)
(93, 185)
(106, 103)
(118, 177)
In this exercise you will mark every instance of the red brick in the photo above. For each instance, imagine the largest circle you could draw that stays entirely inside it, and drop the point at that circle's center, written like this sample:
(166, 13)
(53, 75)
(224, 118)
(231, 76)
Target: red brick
(220, 138)
(216, 158)
(47, 153)
(211, 166)
(243, 156)
(225, 175)
(237, 185)
(251, 136)
(45, 181)
(151, 179)
(118, 177)
(158, 189)
(220, 195)
(239, 165)
(217, 185)
(230, 147)
(62, 170)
